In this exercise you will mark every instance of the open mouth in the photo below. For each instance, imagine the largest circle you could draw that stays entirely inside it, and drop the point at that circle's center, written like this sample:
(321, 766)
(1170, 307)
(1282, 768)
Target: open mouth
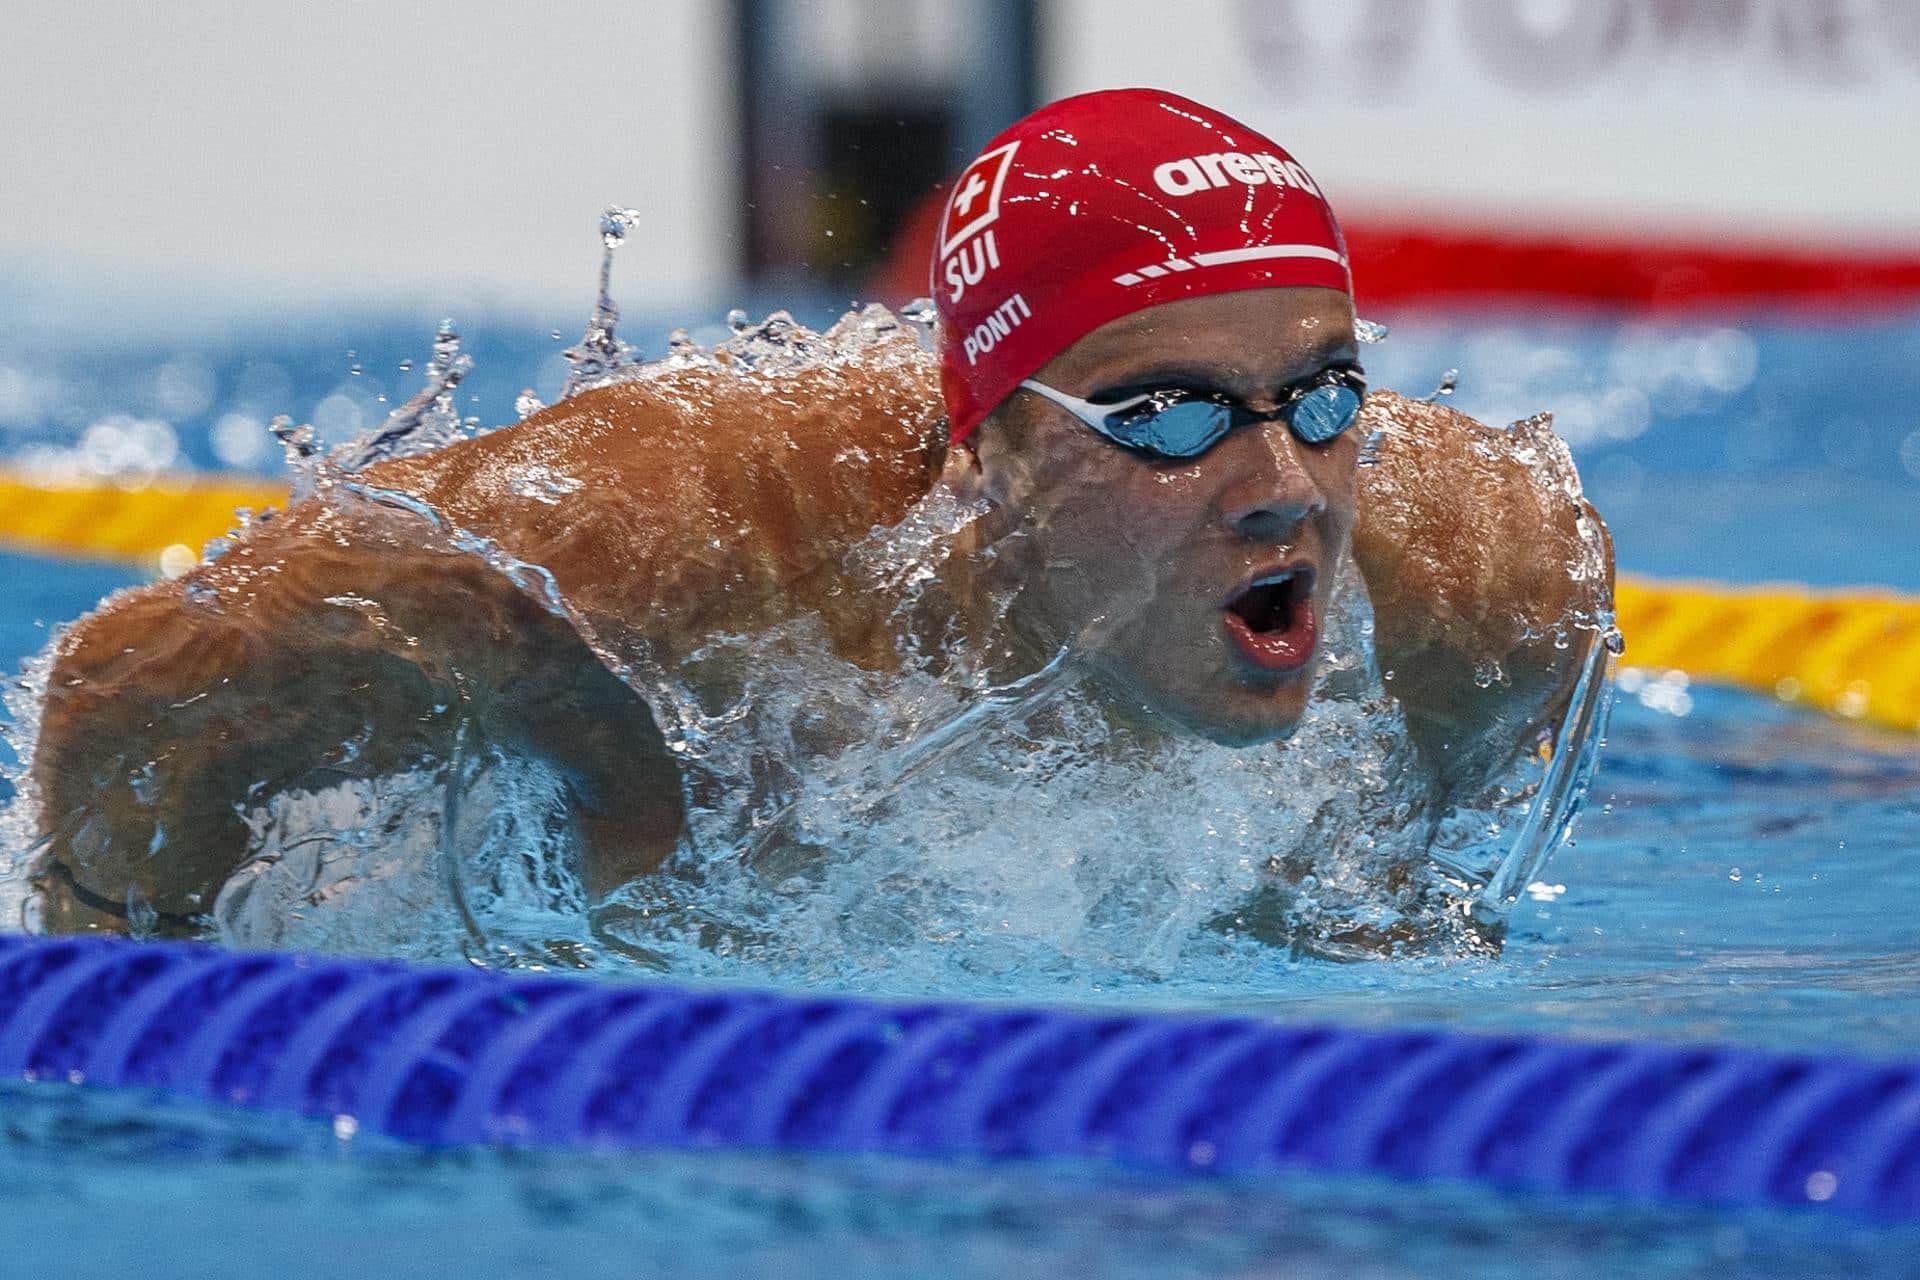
(1270, 620)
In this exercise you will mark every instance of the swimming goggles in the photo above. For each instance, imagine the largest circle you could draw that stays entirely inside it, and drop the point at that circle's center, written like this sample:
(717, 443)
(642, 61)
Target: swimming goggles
(1176, 423)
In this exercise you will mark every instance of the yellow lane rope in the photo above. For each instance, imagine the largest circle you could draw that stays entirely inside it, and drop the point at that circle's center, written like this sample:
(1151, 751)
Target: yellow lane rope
(144, 524)
(1853, 653)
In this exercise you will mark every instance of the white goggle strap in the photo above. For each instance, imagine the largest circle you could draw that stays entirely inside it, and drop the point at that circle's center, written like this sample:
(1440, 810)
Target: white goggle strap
(1094, 415)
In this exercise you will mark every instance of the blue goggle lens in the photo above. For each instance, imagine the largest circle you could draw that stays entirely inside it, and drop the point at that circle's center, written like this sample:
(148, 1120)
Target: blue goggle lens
(1182, 426)
(1182, 429)
(1324, 412)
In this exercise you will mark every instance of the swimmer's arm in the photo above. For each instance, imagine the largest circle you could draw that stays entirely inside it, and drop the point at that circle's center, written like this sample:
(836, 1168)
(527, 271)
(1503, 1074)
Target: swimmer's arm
(1476, 557)
(311, 654)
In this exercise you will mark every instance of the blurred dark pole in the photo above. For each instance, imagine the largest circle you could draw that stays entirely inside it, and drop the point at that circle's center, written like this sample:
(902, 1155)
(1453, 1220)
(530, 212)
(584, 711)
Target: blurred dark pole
(852, 115)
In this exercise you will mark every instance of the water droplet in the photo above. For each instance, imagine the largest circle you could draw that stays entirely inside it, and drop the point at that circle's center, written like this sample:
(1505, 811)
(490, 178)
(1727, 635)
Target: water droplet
(545, 486)
(1615, 642)
(737, 320)
(1734, 875)
(922, 312)
(615, 223)
(406, 366)
(142, 915)
(1369, 331)
(1449, 383)
(298, 441)
(1370, 448)
(177, 559)
(355, 370)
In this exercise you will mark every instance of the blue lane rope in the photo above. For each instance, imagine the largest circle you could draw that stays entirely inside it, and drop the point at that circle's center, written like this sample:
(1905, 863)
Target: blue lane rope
(449, 1056)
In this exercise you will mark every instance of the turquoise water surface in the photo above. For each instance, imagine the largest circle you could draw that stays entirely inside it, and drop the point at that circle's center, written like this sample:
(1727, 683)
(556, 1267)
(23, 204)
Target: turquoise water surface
(1744, 872)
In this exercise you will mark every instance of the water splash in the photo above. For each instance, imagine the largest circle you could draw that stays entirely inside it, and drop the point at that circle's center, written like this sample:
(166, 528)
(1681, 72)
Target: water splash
(600, 356)
(918, 831)
(21, 841)
(933, 824)
(776, 344)
(426, 422)
(940, 824)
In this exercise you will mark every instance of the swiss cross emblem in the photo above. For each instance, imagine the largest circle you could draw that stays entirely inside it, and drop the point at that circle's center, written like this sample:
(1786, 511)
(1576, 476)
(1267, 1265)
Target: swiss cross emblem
(975, 201)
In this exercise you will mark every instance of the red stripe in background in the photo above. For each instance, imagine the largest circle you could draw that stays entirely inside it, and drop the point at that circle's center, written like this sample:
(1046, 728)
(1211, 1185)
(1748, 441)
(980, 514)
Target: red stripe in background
(1397, 263)
(1401, 263)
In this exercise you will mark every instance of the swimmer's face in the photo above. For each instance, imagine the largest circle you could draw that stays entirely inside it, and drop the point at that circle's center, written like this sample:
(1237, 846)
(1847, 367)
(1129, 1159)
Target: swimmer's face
(1196, 588)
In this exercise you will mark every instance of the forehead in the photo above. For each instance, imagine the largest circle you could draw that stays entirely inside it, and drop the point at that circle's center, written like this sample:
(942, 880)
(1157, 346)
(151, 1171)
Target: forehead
(1260, 337)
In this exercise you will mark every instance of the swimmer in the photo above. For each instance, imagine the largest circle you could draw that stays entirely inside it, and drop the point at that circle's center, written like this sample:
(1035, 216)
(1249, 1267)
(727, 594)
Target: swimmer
(1147, 374)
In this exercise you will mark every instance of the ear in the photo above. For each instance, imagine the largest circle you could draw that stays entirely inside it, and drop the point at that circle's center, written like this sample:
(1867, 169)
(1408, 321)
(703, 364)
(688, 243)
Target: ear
(963, 473)
(985, 467)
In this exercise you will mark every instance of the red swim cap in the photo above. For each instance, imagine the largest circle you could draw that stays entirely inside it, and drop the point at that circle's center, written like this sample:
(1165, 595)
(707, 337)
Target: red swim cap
(1101, 205)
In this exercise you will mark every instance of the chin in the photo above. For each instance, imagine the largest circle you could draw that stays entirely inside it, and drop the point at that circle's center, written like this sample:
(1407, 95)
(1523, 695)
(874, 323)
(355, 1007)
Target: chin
(1261, 716)
(1247, 732)
(1228, 704)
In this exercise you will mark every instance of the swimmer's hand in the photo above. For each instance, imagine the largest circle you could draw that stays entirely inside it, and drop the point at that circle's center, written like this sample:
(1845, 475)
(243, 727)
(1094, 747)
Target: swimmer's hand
(1488, 572)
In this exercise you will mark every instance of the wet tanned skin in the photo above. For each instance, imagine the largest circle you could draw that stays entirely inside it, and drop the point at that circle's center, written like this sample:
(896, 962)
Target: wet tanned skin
(709, 503)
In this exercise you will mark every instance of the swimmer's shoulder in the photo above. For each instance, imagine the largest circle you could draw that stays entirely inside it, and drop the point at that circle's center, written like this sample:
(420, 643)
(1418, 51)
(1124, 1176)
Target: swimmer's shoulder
(851, 441)
(702, 495)
(1485, 563)
(874, 423)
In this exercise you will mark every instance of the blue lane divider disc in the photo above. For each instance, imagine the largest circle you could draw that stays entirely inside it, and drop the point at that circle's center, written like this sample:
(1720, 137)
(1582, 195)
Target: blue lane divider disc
(446, 1056)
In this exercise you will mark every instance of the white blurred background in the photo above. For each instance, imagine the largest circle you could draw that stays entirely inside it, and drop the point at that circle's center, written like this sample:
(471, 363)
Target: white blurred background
(436, 155)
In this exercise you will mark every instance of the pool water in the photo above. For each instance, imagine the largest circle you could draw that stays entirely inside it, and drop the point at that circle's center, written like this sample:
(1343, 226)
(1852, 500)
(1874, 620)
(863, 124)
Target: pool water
(102, 1184)
(1744, 872)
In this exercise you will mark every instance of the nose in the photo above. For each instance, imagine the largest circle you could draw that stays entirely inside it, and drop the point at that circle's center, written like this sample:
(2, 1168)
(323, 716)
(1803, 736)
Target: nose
(1269, 492)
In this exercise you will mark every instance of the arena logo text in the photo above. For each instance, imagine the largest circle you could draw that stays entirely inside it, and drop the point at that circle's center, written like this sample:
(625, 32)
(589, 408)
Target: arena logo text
(1224, 168)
